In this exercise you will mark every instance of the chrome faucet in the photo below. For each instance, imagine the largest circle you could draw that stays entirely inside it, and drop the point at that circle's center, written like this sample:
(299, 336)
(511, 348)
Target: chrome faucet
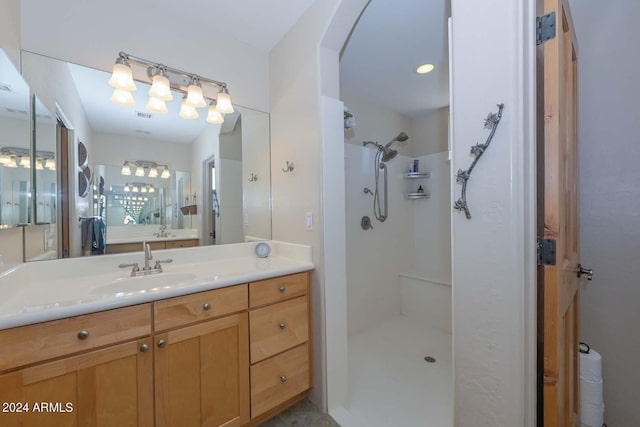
(162, 232)
(147, 269)
(147, 256)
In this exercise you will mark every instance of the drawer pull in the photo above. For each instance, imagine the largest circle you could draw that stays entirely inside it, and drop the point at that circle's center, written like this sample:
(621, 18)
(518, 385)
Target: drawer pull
(282, 289)
(206, 306)
(162, 343)
(83, 334)
(283, 325)
(144, 348)
(283, 378)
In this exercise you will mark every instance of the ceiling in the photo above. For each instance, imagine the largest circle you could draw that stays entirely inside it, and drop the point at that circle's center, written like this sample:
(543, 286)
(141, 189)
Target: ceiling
(391, 39)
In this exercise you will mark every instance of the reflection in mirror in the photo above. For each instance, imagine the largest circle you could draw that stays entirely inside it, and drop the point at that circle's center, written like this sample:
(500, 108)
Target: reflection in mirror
(120, 138)
(15, 172)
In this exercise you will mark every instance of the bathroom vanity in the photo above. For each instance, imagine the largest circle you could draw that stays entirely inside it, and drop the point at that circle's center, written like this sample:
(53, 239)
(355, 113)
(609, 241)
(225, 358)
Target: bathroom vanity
(232, 350)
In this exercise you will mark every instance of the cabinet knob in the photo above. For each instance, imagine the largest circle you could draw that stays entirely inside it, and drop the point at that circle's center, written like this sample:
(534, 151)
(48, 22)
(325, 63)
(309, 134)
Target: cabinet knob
(283, 378)
(83, 334)
(283, 325)
(282, 289)
(206, 306)
(144, 348)
(162, 343)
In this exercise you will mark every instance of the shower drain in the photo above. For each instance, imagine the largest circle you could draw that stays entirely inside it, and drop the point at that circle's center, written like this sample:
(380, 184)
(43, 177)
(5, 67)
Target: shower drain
(430, 359)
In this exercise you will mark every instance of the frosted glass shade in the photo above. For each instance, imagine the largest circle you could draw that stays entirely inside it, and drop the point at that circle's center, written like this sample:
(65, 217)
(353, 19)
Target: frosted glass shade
(188, 111)
(25, 162)
(122, 97)
(157, 105)
(223, 102)
(194, 97)
(213, 116)
(166, 174)
(160, 88)
(50, 164)
(153, 172)
(122, 77)
(4, 159)
(139, 171)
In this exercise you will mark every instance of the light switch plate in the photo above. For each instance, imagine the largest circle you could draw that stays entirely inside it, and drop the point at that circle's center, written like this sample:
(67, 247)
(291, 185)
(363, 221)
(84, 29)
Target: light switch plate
(309, 220)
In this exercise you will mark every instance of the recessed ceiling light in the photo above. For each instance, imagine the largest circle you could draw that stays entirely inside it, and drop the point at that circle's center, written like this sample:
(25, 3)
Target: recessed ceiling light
(425, 68)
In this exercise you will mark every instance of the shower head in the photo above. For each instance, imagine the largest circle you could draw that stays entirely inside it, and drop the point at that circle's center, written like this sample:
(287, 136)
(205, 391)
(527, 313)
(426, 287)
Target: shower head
(388, 154)
(402, 137)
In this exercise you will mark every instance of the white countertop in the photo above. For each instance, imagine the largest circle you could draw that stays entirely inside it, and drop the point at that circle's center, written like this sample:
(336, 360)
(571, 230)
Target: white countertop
(48, 290)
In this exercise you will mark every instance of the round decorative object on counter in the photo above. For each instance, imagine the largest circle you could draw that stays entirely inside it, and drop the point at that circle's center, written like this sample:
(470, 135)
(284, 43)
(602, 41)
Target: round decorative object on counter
(263, 250)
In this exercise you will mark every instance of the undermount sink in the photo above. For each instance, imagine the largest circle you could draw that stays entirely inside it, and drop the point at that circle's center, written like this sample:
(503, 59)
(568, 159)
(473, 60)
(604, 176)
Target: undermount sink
(152, 282)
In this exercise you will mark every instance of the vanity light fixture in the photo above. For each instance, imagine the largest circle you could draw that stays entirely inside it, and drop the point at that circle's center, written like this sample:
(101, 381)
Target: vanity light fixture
(141, 166)
(214, 116)
(127, 188)
(12, 157)
(151, 190)
(126, 169)
(195, 97)
(163, 80)
(188, 111)
(166, 174)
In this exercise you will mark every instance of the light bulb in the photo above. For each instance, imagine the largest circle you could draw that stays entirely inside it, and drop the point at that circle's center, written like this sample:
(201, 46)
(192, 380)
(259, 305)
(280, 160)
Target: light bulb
(126, 170)
(157, 105)
(122, 97)
(194, 95)
(165, 174)
(122, 77)
(213, 116)
(139, 171)
(188, 111)
(223, 102)
(160, 87)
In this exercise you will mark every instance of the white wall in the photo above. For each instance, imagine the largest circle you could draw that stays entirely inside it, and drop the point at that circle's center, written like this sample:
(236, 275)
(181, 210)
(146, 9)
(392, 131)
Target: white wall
(256, 202)
(92, 34)
(376, 123)
(430, 133)
(610, 196)
(493, 279)
(377, 256)
(10, 31)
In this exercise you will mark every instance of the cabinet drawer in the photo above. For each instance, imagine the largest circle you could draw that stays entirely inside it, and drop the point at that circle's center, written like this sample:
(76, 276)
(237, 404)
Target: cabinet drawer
(178, 311)
(276, 328)
(278, 289)
(278, 379)
(172, 244)
(33, 343)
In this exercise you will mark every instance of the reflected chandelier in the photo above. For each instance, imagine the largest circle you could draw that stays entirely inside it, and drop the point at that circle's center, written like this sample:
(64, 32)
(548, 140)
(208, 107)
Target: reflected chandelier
(190, 85)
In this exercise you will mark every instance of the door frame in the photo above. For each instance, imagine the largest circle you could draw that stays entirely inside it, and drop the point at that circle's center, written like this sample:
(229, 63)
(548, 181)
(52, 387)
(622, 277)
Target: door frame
(206, 200)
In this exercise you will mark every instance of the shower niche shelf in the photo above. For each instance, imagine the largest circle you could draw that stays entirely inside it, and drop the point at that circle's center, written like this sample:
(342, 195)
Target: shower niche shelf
(416, 175)
(414, 196)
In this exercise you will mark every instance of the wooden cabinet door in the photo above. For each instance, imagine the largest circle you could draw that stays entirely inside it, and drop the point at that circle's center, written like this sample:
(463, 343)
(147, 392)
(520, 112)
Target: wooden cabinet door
(108, 387)
(202, 374)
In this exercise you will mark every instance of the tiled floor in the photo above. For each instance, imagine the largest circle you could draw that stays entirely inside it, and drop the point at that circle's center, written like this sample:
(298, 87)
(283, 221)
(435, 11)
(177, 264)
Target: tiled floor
(303, 414)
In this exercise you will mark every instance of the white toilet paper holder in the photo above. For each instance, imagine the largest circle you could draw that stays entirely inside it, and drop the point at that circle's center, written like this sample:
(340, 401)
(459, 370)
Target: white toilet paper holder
(584, 348)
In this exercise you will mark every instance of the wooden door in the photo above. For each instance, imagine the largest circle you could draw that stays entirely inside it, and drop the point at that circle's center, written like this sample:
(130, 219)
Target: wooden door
(561, 292)
(202, 374)
(108, 387)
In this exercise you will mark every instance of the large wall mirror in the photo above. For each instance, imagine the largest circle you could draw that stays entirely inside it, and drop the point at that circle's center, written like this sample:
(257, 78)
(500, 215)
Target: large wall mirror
(148, 177)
